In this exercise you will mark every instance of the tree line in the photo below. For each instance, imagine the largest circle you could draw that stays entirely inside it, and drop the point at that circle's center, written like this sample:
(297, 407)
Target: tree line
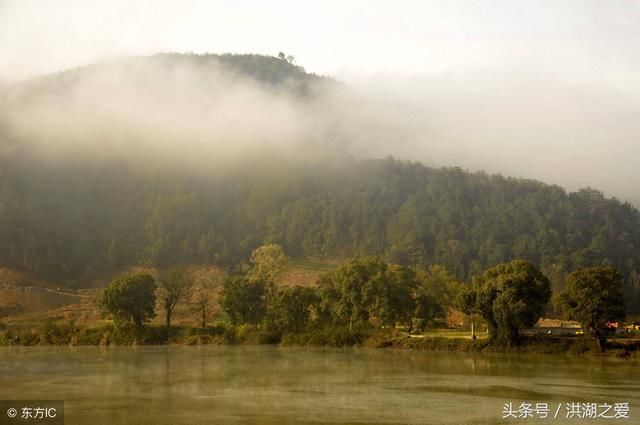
(81, 222)
(370, 293)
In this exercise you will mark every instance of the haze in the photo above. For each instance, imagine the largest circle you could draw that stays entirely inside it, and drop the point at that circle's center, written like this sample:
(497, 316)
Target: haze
(539, 89)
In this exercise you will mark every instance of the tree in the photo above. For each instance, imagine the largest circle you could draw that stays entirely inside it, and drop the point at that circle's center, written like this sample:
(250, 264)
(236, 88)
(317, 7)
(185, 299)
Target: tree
(440, 284)
(558, 276)
(402, 210)
(453, 253)
(174, 286)
(594, 296)
(367, 288)
(437, 291)
(345, 297)
(509, 296)
(426, 309)
(293, 308)
(390, 295)
(244, 300)
(130, 298)
(267, 262)
(203, 302)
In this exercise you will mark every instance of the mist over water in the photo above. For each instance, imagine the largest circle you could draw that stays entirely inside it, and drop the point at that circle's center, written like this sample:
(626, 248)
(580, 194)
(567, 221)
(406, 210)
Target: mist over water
(266, 385)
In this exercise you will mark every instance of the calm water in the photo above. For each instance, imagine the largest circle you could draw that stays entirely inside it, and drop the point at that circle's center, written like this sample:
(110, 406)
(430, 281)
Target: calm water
(266, 385)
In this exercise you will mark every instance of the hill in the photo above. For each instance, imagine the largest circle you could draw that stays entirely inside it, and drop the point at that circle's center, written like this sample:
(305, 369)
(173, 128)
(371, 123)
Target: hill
(76, 214)
(96, 221)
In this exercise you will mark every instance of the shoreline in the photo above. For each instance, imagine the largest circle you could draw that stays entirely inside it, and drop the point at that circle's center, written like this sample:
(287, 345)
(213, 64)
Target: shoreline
(53, 334)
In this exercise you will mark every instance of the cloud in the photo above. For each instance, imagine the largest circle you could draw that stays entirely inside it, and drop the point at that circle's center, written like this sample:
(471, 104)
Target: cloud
(572, 133)
(155, 109)
(539, 89)
(196, 113)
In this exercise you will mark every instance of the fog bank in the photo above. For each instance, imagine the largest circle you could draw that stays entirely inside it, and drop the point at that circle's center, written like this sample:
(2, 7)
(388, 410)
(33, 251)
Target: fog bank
(194, 111)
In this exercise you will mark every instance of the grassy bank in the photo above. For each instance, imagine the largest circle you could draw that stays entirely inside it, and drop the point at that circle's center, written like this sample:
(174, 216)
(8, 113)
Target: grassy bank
(52, 332)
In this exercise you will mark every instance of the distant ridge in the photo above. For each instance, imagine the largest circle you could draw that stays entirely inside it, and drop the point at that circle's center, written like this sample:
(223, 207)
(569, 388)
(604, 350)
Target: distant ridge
(268, 70)
(73, 218)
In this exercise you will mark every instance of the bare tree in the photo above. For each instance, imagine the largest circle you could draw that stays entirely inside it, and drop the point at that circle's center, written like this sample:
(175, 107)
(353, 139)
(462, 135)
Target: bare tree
(204, 296)
(175, 286)
(203, 303)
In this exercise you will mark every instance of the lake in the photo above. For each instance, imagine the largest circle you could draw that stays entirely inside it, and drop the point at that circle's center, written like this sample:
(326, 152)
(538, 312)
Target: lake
(269, 385)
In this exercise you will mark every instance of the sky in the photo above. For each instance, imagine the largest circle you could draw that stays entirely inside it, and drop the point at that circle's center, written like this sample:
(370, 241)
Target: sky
(586, 39)
(540, 89)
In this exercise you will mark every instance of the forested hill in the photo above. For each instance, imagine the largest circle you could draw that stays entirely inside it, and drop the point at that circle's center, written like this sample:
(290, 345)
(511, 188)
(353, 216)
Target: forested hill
(78, 220)
(74, 213)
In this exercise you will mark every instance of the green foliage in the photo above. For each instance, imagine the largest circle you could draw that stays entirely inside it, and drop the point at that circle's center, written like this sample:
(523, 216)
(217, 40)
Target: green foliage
(509, 296)
(367, 289)
(246, 334)
(294, 307)
(437, 291)
(440, 344)
(404, 212)
(244, 300)
(130, 298)
(329, 336)
(267, 262)
(532, 345)
(362, 293)
(593, 297)
(392, 296)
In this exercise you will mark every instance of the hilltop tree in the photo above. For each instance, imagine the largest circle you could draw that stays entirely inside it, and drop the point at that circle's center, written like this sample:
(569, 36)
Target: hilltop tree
(130, 298)
(509, 296)
(593, 297)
